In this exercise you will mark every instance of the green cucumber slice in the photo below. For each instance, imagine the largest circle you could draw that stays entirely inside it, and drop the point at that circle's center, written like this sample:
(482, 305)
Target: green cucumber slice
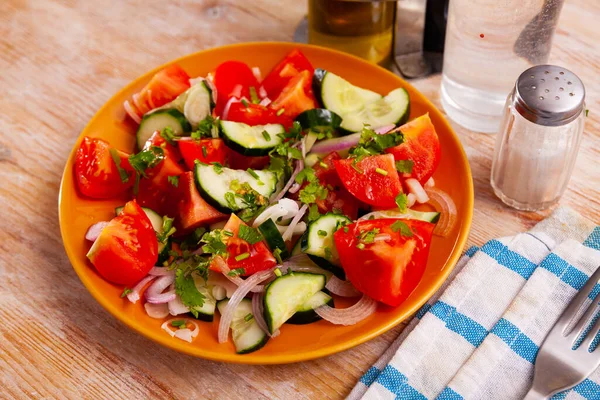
(319, 120)
(306, 313)
(247, 335)
(250, 140)
(159, 120)
(273, 238)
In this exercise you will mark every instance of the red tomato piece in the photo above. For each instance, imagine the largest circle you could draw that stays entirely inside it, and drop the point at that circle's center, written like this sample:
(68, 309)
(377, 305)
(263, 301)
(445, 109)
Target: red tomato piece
(204, 150)
(421, 146)
(96, 173)
(373, 180)
(259, 257)
(227, 77)
(240, 161)
(127, 247)
(163, 88)
(293, 64)
(296, 97)
(338, 196)
(255, 114)
(387, 270)
(189, 208)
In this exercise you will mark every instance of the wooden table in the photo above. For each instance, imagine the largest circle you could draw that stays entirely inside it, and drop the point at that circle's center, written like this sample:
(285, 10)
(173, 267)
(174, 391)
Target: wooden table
(59, 62)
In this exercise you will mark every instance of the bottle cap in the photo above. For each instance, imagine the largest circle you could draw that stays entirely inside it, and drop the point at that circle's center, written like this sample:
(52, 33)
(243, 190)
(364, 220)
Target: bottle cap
(549, 95)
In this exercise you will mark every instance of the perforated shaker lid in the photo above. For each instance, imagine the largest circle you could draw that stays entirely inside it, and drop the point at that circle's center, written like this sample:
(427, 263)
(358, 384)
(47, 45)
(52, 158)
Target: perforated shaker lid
(549, 95)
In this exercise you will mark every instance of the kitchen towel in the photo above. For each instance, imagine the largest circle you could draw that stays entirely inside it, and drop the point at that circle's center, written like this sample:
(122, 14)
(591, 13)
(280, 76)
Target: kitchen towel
(478, 336)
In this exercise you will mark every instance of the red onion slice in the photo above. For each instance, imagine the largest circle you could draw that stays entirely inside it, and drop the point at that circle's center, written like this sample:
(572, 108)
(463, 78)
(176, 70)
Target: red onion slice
(430, 183)
(237, 91)
(258, 312)
(94, 231)
(302, 263)
(187, 334)
(342, 288)
(235, 300)
(384, 129)
(365, 307)
(227, 106)
(150, 102)
(336, 144)
(262, 92)
(224, 268)
(284, 209)
(134, 295)
(157, 311)
(287, 235)
(295, 187)
(383, 237)
(131, 112)
(265, 102)
(415, 187)
(257, 74)
(411, 200)
(444, 204)
(161, 271)
(299, 167)
(155, 294)
(176, 307)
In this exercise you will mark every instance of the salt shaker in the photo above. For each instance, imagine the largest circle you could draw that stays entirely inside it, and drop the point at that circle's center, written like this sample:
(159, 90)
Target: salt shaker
(539, 138)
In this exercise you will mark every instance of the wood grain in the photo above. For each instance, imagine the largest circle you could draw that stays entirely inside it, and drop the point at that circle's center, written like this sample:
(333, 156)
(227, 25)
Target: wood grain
(59, 62)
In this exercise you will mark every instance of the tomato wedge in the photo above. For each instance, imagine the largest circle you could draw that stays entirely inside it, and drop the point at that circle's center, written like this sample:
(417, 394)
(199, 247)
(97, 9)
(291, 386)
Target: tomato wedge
(233, 78)
(373, 180)
(127, 247)
(96, 173)
(163, 88)
(293, 64)
(386, 270)
(189, 208)
(421, 146)
(255, 114)
(204, 150)
(296, 96)
(257, 256)
(240, 161)
(338, 197)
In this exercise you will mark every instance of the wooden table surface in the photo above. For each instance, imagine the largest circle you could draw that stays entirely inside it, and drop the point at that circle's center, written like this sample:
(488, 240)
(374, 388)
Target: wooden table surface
(59, 62)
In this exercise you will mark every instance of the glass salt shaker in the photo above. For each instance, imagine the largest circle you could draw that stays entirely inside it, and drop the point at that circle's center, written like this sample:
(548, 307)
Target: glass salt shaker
(539, 138)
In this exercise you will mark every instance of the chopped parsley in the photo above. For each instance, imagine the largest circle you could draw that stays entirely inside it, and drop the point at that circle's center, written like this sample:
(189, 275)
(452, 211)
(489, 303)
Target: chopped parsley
(168, 134)
(253, 96)
(236, 272)
(371, 143)
(245, 103)
(402, 201)
(313, 212)
(328, 253)
(266, 136)
(322, 233)
(403, 228)
(213, 243)
(241, 257)
(204, 152)
(167, 229)
(307, 174)
(367, 237)
(206, 128)
(280, 111)
(346, 229)
(322, 164)
(173, 180)
(146, 159)
(249, 234)
(248, 317)
(312, 192)
(186, 289)
(277, 255)
(218, 167)
(230, 199)
(587, 112)
(404, 166)
(277, 272)
(255, 176)
(117, 160)
(360, 246)
(252, 201)
(178, 323)
(227, 233)
(126, 291)
(381, 171)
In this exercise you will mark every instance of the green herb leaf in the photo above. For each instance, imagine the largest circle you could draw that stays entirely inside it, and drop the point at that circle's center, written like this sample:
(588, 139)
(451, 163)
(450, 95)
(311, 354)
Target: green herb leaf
(253, 174)
(218, 167)
(266, 136)
(277, 272)
(230, 199)
(280, 111)
(114, 154)
(248, 317)
(250, 234)
(313, 212)
(241, 257)
(237, 272)
(204, 152)
(126, 291)
(403, 228)
(167, 229)
(168, 134)
(277, 255)
(173, 180)
(322, 233)
(146, 159)
(179, 323)
(404, 166)
(214, 243)
(402, 201)
(328, 254)
(245, 103)
(187, 291)
(312, 192)
(206, 128)
(227, 233)
(253, 96)
(368, 237)
(372, 144)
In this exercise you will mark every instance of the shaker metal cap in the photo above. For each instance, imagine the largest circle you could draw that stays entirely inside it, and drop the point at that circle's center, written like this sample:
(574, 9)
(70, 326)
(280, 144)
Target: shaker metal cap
(549, 95)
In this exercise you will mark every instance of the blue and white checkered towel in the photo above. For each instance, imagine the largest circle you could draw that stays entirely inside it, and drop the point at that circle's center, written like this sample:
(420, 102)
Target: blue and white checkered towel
(478, 337)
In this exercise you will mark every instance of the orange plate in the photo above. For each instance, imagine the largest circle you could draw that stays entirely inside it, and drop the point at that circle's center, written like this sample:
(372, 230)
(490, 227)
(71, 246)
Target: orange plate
(297, 342)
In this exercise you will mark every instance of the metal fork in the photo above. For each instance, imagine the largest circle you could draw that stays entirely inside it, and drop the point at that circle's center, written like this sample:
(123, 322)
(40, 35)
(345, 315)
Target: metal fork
(558, 367)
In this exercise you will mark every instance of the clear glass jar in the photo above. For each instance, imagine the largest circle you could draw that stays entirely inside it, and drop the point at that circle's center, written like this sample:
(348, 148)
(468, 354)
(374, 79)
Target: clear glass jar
(539, 138)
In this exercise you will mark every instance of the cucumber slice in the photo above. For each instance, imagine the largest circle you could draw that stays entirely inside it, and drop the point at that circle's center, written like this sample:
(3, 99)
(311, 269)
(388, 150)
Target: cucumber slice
(157, 223)
(198, 103)
(358, 106)
(306, 313)
(429, 216)
(250, 140)
(214, 186)
(206, 312)
(319, 120)
(247, 335)
(297, 248)
(159, 120)
(318, 240)
(273, 238)
(287, 293)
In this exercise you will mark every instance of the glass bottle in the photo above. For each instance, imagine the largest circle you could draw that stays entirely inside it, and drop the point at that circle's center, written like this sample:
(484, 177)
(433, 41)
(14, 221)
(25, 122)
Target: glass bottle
(539, 138)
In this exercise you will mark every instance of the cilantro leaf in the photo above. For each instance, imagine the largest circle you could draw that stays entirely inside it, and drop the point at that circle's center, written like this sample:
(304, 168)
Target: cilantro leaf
(168, 134)
(404, 166)
(403, 228)
(371, 143)
(186, 289)
(237, 271)
(146, 159)
(402, 201)
(213, 243)
(167, 229)
(207, 128)
(126, 291)
(312, 192)
(173, 180)
(253, 96)
(313, 212)
(218, 167)
(249, 234)
(368, 237)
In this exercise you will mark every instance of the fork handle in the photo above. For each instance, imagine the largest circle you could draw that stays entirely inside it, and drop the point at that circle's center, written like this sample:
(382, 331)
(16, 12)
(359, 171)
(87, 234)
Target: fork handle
(533, 394)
